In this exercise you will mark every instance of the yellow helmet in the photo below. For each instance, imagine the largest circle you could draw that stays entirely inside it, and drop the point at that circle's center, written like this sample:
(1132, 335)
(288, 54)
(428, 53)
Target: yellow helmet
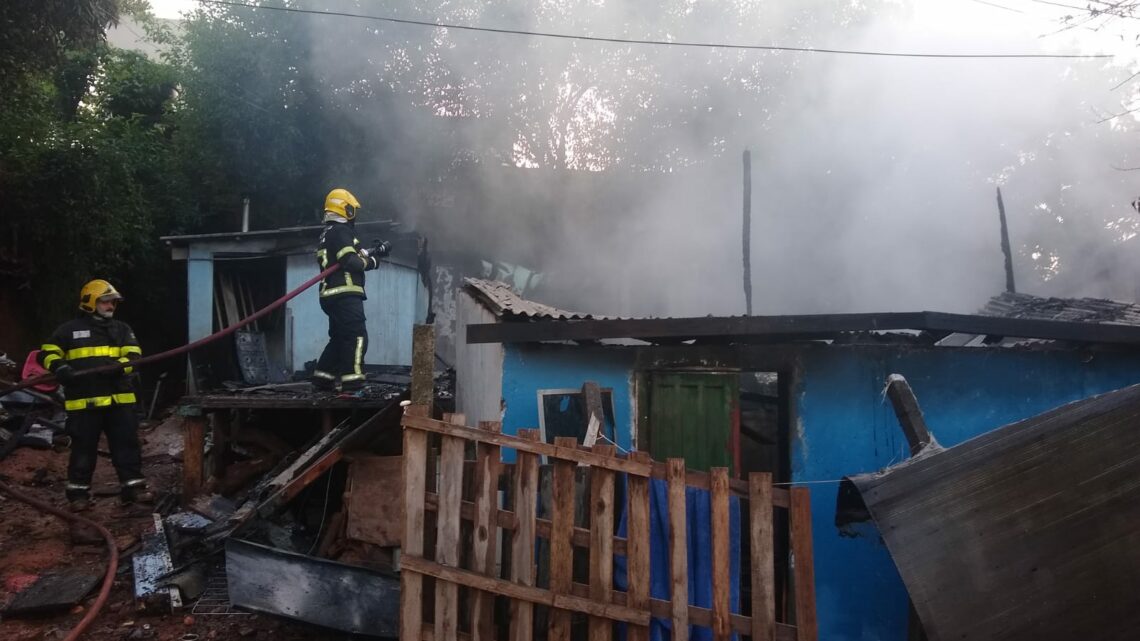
(342, 203)
(95, 290)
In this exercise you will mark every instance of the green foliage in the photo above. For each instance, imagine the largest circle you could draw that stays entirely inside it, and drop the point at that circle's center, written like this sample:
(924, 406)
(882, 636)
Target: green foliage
(90, 178)
(35, 34)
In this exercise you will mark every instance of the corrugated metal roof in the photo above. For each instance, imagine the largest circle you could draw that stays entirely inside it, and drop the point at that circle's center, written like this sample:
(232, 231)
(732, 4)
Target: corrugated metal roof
(504, 303)
(1085, 310)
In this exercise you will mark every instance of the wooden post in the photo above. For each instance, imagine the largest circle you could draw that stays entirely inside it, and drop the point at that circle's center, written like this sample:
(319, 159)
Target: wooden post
(746, 234)
(447, 541)
(763, 557)
(637, 545)
(485, 528)
(592, 394)
(908, 412)
(193, 455)
(721, 599)
(806, 627)
(423, 365)
(678, 548)
(522, 544)
(601, 542)
(412, 583)
(561, 537)
(1010, 286)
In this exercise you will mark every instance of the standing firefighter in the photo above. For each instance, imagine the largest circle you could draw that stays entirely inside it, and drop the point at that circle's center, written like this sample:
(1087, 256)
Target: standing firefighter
(342, 294)
(101, 403)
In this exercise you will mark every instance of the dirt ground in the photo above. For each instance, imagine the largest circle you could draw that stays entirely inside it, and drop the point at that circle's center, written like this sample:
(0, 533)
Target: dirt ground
(32, 543)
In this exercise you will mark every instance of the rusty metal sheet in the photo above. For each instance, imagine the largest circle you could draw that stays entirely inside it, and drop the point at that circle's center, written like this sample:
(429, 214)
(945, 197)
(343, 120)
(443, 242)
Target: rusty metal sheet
(375, 500)
(1026, 533)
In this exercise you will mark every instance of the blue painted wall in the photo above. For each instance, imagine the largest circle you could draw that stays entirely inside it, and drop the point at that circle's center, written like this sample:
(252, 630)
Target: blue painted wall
(396, 301)
(529, 368)
(844, 426)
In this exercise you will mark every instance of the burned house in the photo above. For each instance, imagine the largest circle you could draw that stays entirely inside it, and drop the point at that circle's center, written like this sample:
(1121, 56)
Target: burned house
(798, 396)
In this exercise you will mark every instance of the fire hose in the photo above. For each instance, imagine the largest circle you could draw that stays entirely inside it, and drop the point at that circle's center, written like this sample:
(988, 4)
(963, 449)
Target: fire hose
(178, 351)
(113, 563)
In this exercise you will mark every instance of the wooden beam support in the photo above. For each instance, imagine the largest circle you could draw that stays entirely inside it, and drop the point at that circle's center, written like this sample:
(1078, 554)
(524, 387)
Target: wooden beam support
(909, 413)
(193, 456)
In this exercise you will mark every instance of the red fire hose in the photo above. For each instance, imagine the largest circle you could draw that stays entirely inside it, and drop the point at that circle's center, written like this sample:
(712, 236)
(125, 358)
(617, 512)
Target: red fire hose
(147, 360)
(113, 562)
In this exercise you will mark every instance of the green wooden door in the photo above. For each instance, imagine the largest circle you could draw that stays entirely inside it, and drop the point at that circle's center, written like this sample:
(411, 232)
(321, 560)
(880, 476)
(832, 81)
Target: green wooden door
(693, 416)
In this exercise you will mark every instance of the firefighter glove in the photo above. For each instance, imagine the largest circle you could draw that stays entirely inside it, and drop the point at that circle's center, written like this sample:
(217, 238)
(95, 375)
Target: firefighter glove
(64, 374)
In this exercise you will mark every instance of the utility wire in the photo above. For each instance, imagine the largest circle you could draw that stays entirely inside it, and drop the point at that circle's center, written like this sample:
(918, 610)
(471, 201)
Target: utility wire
(998, 6)
(707, 45)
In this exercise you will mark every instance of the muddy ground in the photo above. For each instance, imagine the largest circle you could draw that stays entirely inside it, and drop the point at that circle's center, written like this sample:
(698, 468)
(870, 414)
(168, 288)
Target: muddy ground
(32, 543)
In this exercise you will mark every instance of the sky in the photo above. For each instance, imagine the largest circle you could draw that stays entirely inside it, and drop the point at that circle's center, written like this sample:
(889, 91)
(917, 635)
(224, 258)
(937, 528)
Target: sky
(874, 178)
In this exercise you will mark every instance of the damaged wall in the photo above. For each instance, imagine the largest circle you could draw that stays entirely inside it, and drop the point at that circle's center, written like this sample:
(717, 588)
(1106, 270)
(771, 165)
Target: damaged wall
(530, 368)
(845, 426)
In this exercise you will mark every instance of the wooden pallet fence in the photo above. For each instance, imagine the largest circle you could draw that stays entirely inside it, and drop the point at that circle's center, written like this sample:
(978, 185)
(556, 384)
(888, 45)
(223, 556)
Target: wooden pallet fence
(465, 570)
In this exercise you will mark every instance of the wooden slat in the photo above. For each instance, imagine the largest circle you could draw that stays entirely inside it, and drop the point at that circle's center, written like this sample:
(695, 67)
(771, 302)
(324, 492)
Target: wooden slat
(721, 602)
(561, 537)
(485, 517)
(412, 548)
(601, 542)
(534, 447)
(637, 530)
(522, 544)
(662, 609)
(703, 480)
(806, 627)
(542, 527)
(678, 549)
(656, 470)
(447, 538)
(527, 594)
(763, 556)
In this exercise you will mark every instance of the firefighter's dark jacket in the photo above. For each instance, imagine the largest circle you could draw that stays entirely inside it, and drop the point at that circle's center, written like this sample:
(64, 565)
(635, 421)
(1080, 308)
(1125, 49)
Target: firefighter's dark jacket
(340, 244)
(92, 341)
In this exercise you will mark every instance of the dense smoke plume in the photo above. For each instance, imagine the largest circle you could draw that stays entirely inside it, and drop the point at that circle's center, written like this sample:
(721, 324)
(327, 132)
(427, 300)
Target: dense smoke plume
(616, 169)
